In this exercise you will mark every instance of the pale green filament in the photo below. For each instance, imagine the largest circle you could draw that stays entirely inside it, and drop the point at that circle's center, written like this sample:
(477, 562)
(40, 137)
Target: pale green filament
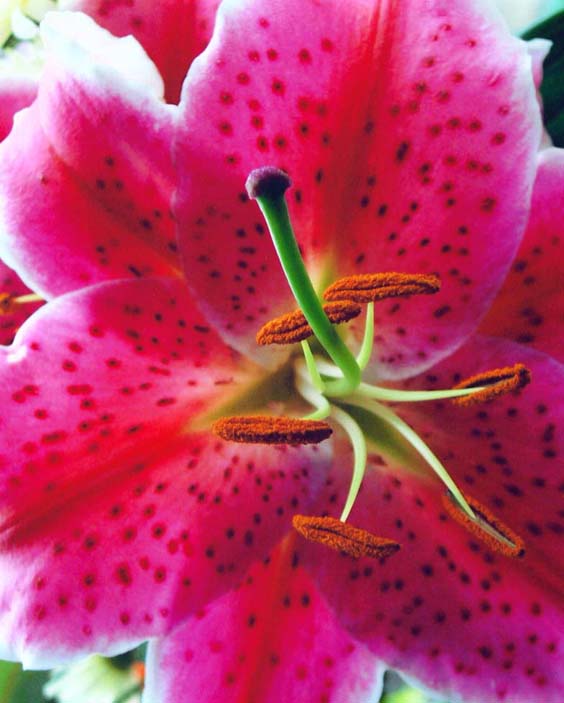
(365, 352)
(395, 395)
(313, 395)
(352, 429)
(276, 215)
(312, 367)
(360, 455)
(418, 444)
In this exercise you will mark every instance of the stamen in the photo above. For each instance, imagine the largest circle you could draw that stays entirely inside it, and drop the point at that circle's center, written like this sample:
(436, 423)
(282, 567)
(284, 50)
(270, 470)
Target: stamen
(360, 454)
(293, 326)
(370, 287)
(487, 527)
(9, 303)
(363, 356)
(313, 371)
(344, 537)
(266, 429)
(384, 413)
(496, 382)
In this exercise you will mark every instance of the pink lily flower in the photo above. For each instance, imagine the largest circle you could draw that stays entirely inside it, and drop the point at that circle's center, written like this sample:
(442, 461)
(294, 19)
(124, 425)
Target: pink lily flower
(411, 135)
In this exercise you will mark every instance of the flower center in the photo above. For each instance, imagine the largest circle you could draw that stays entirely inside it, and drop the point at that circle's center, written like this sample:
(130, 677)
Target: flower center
(332, 383)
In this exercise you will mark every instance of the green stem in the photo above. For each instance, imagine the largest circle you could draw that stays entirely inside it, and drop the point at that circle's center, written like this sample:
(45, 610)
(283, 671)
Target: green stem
(276, 215)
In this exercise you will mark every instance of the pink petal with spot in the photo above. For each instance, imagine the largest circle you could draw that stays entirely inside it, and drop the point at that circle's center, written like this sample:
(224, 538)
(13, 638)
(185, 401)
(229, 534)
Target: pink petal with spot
(507, 453)
(121, 513)
(530, 306)
(272, 640)
(410, 132)
(86, 175)
(16, 92)
(11, 321)
(172, 32)
(470, 624)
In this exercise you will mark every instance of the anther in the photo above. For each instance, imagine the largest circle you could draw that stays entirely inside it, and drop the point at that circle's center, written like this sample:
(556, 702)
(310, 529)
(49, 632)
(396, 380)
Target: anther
(266, 429)
(267, 181)
(9, 303)
(496, 382)
(344, 537)
(370, 287)
(487, 527)
(293, 327)
(6, 303)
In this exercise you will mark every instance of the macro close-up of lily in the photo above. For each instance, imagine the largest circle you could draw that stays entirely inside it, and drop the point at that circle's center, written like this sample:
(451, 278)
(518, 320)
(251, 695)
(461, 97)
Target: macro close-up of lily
(282, 357)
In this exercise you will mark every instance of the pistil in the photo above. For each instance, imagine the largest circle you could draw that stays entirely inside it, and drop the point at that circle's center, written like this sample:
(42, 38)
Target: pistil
(267, 186)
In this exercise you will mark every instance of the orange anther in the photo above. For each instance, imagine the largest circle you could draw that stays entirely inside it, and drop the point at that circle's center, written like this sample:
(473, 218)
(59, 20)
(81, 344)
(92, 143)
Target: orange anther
(293, 327)
(344, 537)
(370, 287)
(266, 429)
(487, 527)
(496, 382)
(7, 305)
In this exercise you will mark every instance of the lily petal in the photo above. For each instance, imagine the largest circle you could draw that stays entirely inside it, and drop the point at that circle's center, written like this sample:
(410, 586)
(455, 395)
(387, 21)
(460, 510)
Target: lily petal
(119, 514)
(530, 306)
(273, 640)
(172, 32)
(410, 132)
(470, 624)
(72, 215)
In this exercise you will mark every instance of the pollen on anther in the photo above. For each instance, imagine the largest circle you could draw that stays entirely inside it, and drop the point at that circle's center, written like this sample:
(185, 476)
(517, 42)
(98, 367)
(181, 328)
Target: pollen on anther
(266, 429)
(293, 327)
(366, 288)
(343, 537)
(495, 382)
(486, 526)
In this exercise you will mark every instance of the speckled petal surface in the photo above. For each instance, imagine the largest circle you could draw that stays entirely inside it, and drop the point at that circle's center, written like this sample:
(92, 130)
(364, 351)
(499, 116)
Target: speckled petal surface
(530, 306)
(410, 131)
(469, 623)
(121, 513)
(86, 175)
(172, 32)
(272, 640)
(507, 453)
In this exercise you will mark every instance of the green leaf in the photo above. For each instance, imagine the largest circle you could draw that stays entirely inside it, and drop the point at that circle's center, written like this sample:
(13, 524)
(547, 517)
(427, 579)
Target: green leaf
(18, 686)
(552, 88)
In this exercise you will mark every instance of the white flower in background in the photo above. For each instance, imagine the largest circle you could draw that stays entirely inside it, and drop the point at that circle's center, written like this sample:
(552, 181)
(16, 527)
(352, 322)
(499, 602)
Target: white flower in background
(95, 680)
(20, 17)
(522, 13)
(23, 60)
